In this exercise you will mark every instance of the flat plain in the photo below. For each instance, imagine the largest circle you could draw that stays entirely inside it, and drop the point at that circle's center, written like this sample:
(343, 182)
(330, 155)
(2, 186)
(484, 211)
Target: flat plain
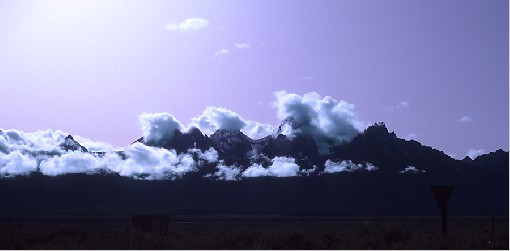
(253, 232)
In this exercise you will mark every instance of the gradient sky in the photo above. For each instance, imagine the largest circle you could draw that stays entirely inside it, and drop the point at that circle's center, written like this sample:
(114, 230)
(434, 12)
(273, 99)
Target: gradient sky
(435, 71)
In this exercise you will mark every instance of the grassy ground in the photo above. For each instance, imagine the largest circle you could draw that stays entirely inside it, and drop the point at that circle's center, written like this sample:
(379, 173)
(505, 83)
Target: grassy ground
(296, 233)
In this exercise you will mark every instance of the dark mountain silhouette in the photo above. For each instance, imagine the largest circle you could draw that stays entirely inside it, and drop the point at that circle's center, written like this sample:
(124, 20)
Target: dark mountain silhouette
(480, 185)
(70, 144)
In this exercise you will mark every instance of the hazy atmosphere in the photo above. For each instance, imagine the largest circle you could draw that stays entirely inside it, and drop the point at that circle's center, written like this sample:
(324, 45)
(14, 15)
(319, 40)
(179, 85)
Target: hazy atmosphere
(434, 71)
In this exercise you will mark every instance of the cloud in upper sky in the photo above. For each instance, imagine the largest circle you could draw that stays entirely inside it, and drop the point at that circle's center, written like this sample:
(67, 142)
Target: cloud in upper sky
(473, 153)
(327, 120)
(242, 45)
(222, 52)
(188, 25)
(465, 119)
(401, 105)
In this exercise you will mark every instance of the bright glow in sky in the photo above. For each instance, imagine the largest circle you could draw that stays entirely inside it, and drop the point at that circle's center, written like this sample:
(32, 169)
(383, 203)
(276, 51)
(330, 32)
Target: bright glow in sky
(434, 71)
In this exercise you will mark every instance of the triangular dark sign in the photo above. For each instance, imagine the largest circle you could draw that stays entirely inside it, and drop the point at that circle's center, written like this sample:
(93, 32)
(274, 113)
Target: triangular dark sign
(442, 195)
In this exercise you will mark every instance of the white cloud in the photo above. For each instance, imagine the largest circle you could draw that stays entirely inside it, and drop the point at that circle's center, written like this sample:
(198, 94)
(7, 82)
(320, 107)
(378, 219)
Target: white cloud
(255, 170)
(412, 169)
(473, 153)
(227, 172)
(283, 167)
(465, 119)
(71, 162)
(154, 163)
(214, 118)
(242, 45)
(325, 119)
(16, 163)
(411, 136)
(158, 127)
(188, 25)
(280, 167)
(222, 52)
(402, 105)
(256, 130)
(95, 146)
(210, 155)
(346, 166)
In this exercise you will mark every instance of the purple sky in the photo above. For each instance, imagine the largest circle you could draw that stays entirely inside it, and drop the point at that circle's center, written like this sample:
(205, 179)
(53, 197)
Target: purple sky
(436, 71)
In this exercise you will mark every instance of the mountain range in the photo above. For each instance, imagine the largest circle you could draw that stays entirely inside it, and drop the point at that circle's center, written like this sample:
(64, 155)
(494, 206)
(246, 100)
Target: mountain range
(376, 173)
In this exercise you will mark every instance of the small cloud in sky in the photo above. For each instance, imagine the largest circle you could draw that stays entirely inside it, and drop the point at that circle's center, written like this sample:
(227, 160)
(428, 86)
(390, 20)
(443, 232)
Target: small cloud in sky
(402, 105)
(221, 52)
(411, 136)
(307, 78)
(473, 153)
(465, 119)
(242, 45)
(188, 25)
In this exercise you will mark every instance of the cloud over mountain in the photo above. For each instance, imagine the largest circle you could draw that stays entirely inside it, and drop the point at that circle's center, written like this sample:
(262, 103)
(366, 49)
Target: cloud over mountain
(215, 118)
(232, 148)
(327, 120)
(157, 127)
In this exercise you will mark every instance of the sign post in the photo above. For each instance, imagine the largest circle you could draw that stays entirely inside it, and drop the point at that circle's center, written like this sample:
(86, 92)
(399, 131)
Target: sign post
(442, 194)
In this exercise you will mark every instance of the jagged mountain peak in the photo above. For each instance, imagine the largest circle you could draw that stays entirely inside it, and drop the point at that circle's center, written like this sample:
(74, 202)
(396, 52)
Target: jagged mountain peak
(70, 144)
(379, 130)
(287, 124)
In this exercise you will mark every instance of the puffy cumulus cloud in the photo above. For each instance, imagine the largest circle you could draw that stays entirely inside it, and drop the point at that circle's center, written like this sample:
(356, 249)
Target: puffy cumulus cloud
(346, 166)
(412, 169)
(283, 167)
(214, 118)
(15, 163)
(473, 153)
(227, 172)
(280, 167)
(71, 162)
(211, 155)
(256, 130)
(255, 170)
(154, 163)
(327, 120)
(32, 142)
(188, 25)
(158, 127)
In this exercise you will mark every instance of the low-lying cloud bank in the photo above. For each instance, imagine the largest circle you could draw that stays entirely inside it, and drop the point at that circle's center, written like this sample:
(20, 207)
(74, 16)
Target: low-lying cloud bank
(347, 166)
(22, 153)
(50, 152)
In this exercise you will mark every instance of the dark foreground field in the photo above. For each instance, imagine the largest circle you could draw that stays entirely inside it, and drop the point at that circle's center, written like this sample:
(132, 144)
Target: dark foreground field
(253, 232)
